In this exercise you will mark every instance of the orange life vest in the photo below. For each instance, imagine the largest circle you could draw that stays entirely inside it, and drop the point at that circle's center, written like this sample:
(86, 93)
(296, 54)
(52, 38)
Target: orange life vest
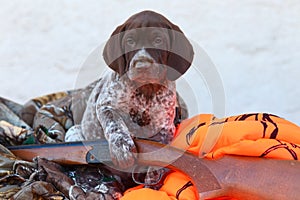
(257, 134)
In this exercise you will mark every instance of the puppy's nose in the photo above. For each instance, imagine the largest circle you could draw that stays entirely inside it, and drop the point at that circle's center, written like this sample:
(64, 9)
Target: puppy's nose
(142, 62)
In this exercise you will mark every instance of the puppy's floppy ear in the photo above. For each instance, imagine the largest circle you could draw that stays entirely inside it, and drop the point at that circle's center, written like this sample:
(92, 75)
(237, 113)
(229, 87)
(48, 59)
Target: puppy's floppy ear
(181, 54)
(113, 53)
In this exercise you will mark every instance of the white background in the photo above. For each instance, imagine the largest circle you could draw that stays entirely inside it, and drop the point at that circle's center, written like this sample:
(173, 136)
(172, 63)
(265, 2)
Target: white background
(254, 44)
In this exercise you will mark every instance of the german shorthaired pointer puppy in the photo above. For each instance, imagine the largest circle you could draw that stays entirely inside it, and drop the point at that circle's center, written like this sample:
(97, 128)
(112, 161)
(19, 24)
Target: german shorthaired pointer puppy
(137, 98)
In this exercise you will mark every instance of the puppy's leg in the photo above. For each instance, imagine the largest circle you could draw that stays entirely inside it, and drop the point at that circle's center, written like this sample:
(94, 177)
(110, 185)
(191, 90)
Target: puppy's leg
(121, 145)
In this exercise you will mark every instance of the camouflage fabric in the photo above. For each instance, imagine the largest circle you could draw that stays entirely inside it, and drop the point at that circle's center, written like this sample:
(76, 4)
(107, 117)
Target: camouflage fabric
(44, 179)
(41, 178)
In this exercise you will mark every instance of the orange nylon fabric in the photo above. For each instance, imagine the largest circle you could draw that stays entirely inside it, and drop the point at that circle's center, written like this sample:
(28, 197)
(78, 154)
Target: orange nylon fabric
(257, 134)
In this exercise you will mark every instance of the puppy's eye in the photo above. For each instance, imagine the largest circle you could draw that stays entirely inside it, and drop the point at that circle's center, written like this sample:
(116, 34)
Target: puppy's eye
(130, 41)
(157, 41)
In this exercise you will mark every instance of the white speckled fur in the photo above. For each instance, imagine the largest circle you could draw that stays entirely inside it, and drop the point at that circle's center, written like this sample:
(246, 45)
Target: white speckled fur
(107, 115)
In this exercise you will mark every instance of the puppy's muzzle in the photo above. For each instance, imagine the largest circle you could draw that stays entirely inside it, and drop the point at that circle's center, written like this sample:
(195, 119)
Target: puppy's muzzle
(143, 68)
(143, 62)
(141, 59)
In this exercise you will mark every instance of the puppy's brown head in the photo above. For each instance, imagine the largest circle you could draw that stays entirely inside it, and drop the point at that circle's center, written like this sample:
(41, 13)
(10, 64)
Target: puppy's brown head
(148, 48)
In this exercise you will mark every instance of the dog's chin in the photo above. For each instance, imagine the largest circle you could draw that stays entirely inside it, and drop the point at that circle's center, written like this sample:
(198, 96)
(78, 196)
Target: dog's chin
(142, 80)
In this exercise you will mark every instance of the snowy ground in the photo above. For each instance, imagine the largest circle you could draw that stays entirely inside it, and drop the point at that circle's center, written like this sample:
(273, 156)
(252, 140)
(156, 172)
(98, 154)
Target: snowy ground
(48, 46)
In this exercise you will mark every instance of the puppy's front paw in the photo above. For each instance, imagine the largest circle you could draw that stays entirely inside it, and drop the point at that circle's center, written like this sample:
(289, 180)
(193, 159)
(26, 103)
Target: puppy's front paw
(122, 150)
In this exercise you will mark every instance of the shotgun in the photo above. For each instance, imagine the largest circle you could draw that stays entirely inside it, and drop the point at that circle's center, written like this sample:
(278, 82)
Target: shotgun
(235, 176)
(150, 153)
